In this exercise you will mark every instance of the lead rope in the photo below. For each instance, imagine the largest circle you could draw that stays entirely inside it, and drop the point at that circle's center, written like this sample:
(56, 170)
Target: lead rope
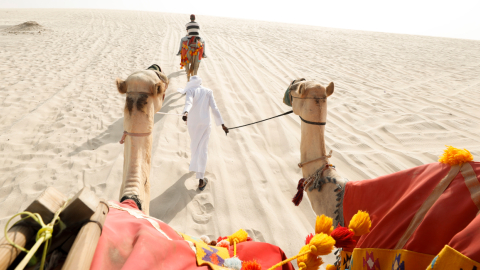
(289, 112)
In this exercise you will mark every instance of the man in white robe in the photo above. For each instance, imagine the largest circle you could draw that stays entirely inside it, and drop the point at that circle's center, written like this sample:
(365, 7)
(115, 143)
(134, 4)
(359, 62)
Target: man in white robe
(198, 102)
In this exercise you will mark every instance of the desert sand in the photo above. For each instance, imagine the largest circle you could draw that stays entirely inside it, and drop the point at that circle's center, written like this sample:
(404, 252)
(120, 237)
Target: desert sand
(399, 99)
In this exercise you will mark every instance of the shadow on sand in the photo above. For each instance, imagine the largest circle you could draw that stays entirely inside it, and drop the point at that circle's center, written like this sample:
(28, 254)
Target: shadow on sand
(114, 132)
(176, 74)
(173, 200)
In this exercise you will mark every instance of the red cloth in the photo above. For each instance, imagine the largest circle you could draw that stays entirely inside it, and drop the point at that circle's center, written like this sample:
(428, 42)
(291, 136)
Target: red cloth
(467, 241)
(392, 201)
(258, 251)
(131, 243)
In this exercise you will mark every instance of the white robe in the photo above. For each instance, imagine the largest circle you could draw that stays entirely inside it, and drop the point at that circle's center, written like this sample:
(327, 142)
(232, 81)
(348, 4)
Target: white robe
(198, 102)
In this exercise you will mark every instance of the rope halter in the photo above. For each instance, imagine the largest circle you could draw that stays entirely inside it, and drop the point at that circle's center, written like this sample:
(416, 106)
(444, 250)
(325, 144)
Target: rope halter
(300, 165)
(122, 140)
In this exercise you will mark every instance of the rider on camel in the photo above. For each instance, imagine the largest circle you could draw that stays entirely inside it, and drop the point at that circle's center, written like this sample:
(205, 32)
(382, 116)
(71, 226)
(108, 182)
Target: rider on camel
(193, 29)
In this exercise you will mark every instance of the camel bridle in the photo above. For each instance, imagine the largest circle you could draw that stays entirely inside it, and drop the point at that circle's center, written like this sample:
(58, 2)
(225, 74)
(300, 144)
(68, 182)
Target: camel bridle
(310, 122)
(314, 98)
(301, 164)
(125, 133)
(122, 140)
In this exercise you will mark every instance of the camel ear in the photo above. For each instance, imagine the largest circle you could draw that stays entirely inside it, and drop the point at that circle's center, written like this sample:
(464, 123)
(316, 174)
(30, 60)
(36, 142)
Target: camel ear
(301, 89)
(160, 88)
(330, 89)
(121, 86)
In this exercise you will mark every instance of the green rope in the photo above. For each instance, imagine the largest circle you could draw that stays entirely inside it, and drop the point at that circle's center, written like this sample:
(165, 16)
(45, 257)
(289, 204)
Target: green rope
(43, 235)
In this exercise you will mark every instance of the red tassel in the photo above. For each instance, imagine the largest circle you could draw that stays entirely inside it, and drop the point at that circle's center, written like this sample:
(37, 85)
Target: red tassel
(220, 238)
(308, 239)
(251, 265)
(299, 196)
(343, 237)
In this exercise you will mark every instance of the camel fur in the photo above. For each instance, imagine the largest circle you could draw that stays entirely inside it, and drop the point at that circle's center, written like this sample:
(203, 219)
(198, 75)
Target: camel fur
(312, 146)
(145, 93)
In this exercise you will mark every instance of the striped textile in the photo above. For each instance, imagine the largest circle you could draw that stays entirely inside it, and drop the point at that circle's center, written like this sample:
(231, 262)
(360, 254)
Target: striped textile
(193, 28)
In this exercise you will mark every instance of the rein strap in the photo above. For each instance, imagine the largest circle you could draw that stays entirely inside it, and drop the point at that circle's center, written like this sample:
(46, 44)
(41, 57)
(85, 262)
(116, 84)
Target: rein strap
(300, 165)
(289, 112)
(122, 140)
(313, 123)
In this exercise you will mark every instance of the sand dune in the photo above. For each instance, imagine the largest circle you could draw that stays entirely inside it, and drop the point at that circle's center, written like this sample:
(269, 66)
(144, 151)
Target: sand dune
(398, 100)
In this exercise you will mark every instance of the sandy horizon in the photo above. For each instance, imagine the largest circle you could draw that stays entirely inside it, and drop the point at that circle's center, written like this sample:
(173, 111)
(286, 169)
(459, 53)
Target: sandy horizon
(398, 100)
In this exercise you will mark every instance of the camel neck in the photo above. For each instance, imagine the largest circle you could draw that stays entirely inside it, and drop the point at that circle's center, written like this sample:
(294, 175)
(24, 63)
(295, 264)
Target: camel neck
(136, 168)
(312, 146)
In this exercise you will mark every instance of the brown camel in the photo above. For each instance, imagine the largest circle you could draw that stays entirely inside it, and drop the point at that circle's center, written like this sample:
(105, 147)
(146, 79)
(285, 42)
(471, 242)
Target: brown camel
(407, 209)
(145, 93)
(323, 183)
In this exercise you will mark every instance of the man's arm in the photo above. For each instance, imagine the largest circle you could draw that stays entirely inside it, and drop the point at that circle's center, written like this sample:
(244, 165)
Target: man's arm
(188, 104)
(216, 113)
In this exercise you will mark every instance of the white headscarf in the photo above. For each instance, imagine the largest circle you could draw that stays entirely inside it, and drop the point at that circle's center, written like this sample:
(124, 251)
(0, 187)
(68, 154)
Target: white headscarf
(195, 82)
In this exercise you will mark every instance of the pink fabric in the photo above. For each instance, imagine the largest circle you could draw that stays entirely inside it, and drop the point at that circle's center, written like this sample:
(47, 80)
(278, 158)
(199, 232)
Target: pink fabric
(265, 254)
(131, 243)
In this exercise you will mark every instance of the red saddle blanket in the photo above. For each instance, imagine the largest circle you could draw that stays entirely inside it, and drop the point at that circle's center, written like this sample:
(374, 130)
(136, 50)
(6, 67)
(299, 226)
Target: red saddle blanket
(416, 215)
(132, 240)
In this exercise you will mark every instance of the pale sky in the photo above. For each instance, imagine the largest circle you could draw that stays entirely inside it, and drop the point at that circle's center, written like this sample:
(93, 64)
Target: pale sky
(454, 18)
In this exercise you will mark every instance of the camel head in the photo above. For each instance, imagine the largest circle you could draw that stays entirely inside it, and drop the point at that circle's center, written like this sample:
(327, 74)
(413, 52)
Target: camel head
(309, 99)
(145, 93)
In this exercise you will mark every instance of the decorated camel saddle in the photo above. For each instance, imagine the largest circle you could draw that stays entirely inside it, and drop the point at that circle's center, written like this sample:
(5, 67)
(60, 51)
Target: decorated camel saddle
(426, 217)
(192, 46)
(120, 236)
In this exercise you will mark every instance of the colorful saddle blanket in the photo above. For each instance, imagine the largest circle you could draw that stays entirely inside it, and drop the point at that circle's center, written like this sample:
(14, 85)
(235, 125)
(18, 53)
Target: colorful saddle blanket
(424, 217)
(132, 240)
(194, 47)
